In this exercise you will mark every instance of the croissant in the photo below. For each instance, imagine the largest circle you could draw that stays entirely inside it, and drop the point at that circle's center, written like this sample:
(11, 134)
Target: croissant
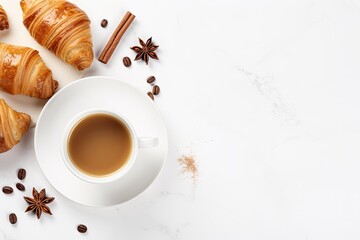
(13, 125)
(62, 28)
(22, 71)
(4, 22)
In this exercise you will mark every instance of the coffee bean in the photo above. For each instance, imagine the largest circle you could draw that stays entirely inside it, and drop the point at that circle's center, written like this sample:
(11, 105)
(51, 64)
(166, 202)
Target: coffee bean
(7, 190)
(82, 228)
(21, 174)
(127, 61)
(20, 187)
(151, 95)
(151, 79)
(156, 90)
(104, 23)
(12, 218)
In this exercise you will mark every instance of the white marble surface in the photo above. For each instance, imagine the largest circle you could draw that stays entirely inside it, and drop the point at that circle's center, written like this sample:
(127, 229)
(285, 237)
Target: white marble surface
(264, 93)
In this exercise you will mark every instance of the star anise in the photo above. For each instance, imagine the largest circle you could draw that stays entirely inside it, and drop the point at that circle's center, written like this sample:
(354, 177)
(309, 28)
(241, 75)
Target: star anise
(38, 203)
(145, 51)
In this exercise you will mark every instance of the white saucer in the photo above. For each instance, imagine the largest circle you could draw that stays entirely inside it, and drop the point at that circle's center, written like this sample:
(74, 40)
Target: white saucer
(112, 94)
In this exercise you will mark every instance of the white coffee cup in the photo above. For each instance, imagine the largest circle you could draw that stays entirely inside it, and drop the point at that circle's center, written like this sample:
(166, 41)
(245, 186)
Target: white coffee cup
(142, 142)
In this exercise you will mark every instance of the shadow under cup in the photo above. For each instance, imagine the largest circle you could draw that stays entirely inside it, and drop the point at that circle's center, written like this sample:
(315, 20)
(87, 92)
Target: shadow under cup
(99, 146)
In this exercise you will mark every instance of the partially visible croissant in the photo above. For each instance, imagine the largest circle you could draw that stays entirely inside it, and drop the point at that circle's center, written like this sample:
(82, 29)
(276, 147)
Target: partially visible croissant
(22, 71)
(61, 27)
(4, 22)
(13, 125)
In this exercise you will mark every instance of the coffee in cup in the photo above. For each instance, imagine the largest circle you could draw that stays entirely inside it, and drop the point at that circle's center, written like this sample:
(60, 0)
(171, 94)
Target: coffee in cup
(101, 146)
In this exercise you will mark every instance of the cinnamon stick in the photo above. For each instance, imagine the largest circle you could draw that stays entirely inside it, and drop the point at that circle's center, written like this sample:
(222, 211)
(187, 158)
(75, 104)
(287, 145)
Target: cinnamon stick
(116, 37)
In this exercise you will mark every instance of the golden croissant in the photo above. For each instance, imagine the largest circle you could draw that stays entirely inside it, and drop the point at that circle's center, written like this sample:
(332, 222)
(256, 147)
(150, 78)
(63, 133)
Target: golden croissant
(13, 125)
(22, 71)
(62, 28)
(4, 22)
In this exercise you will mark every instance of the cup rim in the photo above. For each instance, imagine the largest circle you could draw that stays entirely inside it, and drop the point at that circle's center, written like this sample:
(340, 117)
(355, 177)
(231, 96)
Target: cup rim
(112, 176)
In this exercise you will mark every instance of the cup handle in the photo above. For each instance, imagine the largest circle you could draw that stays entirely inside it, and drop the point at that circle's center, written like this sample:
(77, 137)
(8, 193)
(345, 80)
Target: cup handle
(148, 142)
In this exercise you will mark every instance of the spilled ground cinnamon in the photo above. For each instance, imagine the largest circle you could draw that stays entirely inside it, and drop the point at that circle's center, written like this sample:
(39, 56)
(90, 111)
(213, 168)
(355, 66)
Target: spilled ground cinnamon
(116, 37)
(189, 166)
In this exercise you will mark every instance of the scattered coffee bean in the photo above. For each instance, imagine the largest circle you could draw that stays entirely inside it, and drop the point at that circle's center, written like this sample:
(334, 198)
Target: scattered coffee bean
(156, 90)
(20, 187)
(127, 61)
(21, 174)
(82, 228)
(151, 79)
(104, 23)
(12, 218)
(150, 95)
(7, 190)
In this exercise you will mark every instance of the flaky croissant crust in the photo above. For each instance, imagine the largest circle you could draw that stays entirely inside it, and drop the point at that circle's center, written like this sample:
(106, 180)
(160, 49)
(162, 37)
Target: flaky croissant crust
(13, 125)
(4, 21)
(22, 71)
(61, 27)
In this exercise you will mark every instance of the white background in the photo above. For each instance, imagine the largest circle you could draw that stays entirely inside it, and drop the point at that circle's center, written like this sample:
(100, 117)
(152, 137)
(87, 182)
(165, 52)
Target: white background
(264, 93)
